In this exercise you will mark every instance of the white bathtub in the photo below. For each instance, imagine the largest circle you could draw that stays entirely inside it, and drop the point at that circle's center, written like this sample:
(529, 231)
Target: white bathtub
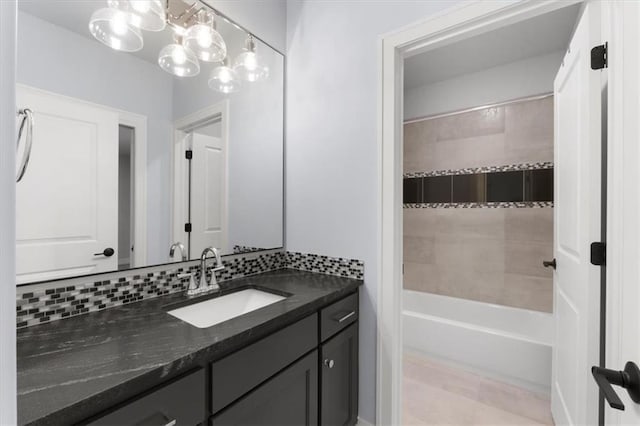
(509, 344)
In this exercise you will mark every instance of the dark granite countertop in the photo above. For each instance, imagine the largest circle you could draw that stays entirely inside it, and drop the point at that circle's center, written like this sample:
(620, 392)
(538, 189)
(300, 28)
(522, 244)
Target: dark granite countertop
(73, 368)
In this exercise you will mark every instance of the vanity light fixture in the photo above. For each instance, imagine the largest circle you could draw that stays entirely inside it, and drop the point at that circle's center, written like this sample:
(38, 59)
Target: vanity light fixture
(179, 60)
(224, 79)
(112, 27)
(203, 39)
(194, 27)
(248, 65)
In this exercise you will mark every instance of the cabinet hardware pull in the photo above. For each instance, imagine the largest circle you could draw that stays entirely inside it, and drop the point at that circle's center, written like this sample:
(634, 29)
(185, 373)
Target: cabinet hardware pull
(346, 317)
(157, 419)
(549, 264)
(329, 363)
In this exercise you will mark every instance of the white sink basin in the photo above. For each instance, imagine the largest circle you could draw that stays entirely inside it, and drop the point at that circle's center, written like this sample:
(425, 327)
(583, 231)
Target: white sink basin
(223, 308)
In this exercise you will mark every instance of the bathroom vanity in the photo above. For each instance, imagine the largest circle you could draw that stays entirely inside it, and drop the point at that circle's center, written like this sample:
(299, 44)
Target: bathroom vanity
(293, 362)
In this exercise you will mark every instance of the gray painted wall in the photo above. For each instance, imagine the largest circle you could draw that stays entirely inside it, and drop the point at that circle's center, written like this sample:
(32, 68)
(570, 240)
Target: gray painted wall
(532, 76)
(267, 19)
(332, 152)
(7, 214)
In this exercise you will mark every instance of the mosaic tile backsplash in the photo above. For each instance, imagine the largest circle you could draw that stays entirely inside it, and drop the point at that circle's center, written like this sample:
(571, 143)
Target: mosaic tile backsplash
(67, 298)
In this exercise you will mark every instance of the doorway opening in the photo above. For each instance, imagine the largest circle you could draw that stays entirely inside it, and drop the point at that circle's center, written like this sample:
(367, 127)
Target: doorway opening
(477, 137)
(201, 180)
(126, 196)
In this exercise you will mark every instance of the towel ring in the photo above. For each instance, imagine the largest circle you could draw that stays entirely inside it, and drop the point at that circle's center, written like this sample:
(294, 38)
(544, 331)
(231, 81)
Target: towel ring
(27, 119)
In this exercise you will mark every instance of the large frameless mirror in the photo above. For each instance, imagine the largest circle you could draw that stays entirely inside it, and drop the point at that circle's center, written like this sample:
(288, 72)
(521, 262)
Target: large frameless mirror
(153, 129)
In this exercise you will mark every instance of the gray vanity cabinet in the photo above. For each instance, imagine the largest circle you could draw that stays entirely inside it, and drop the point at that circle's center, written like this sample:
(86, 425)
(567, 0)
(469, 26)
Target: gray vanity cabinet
(288, 399)
(339, 379)
(339, 362)
(180, 402)
(305, 374)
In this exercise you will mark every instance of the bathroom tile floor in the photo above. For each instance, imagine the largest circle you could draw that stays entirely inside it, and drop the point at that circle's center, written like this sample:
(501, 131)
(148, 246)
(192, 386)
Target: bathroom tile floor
(438, 394)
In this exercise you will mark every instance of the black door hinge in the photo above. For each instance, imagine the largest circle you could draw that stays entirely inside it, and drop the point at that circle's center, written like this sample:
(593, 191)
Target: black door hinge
(187, 227)
(598, 254)
(599, 59)
(188, 154)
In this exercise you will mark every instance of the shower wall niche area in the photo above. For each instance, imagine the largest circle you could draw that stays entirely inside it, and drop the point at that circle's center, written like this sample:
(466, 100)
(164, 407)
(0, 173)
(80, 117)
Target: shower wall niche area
(478, 204)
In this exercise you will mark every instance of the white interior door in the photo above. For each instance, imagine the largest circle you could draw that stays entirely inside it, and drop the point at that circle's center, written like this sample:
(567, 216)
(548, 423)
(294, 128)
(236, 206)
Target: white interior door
(208, 194)
(66, 204)
(574, 395)
(623, 243)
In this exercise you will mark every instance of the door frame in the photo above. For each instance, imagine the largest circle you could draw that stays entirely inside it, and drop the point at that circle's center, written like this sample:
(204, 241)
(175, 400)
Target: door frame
(139, 125)
(452, 25)
(623, 155)
(179, 175)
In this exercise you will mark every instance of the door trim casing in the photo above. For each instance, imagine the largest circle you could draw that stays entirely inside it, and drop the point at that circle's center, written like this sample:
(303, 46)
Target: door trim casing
(139, 124)
(179, 174)
(451, 25)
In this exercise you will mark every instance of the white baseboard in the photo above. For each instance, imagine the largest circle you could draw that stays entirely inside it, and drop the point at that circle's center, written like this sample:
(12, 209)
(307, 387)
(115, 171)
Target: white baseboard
(362, 422)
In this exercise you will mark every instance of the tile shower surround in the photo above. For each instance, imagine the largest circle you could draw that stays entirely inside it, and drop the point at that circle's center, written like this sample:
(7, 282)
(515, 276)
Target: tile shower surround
(46, 302)
(484, 251)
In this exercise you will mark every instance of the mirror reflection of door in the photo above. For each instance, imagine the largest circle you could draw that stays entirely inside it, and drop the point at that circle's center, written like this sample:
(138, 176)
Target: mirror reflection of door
(207, 189)
(66, 205)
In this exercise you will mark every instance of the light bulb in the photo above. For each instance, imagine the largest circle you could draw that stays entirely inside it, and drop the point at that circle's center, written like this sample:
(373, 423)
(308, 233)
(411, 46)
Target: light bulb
(178, 60)
(250, 61)
(248, 65)
(224, 76)
(119, 23)
(224, 79)
(113, 27)
(204, 38)
(178, 56)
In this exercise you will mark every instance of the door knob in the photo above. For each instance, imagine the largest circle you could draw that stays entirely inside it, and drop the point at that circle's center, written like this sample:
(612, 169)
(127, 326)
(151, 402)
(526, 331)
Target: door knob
(549, 263)
(108, 252)
(629, 378)
(329, 363)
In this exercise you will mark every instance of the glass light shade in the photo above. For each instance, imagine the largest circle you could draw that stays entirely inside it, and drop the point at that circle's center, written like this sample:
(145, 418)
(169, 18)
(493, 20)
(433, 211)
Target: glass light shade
(249, 68)
(224, 79)
(148, 15)
(205, 41)
(176, 59)
(112, 27)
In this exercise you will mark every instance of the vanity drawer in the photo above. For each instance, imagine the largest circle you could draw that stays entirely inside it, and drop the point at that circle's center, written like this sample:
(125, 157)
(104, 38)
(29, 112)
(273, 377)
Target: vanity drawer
(240, 372)
(181, 402)
(339, 315)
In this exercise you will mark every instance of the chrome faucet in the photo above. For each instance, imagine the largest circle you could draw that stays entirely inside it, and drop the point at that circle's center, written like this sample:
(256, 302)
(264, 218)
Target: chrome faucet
(178, 245)
(206, 285)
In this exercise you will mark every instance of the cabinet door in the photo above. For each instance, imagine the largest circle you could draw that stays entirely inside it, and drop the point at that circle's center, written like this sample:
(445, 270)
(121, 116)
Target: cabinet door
(289, 398)
(339, 379)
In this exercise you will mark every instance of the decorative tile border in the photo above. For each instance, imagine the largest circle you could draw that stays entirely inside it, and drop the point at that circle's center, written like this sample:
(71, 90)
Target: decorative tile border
(488, 205)
(350, 268)
(476, 170)
(46, 302)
